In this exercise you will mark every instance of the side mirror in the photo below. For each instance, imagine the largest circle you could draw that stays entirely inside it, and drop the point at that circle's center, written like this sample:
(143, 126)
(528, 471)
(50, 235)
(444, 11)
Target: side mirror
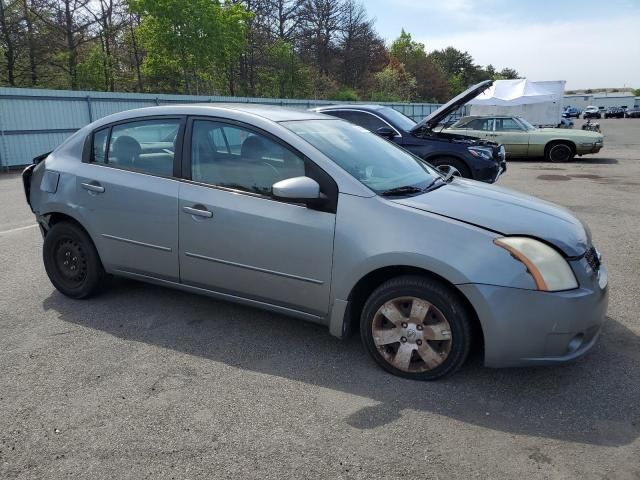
(297, 190)
(386, 132)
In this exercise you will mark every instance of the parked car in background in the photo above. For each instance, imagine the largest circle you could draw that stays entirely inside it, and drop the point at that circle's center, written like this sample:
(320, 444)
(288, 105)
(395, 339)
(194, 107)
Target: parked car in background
(614, 112)
(565, 122)
(314, 217)
(452, 154)
(591, 112)
(572, 112)
(521, 139)
(633, 112)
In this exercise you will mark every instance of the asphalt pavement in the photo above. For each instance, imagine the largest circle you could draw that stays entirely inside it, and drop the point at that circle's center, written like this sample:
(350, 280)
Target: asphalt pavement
(147, 382)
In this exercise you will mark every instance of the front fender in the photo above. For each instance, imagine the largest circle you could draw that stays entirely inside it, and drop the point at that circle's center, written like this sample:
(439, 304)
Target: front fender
(373, 233)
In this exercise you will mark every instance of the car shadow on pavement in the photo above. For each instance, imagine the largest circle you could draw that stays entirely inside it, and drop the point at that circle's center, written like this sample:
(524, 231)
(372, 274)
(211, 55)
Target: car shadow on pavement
(594, 400)
(579, 160)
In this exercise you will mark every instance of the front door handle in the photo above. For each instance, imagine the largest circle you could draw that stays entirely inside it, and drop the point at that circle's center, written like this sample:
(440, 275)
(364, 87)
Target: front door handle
(200, 212)
(93, 187)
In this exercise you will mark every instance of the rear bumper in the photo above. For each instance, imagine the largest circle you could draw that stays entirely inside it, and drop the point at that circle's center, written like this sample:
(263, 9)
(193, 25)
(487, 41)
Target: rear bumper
(527, 327)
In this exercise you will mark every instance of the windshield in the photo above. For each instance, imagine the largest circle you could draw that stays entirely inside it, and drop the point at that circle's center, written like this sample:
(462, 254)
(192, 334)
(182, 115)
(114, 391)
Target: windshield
(397, 118)
(377, 163)
(526, 124)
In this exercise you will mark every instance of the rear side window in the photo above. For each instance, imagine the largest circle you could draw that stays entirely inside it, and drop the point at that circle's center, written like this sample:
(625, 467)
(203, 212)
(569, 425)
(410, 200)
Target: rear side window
(365, 120)
(100, 145)
(148, 146)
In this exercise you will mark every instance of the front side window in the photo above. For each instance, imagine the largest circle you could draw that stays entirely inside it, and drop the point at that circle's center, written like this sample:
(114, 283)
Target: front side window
(399, 119)
(507, 125)
(377, 163)
(144, 145)
(234, 157)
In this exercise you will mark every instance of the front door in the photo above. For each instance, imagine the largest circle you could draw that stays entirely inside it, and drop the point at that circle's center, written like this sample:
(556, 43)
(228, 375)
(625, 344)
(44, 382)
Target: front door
(512, 135)
(130, 199)
(235, 238)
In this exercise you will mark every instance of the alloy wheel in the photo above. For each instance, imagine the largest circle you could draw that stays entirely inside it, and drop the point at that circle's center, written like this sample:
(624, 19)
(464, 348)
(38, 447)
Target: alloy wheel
(449, 170)
(411, 334)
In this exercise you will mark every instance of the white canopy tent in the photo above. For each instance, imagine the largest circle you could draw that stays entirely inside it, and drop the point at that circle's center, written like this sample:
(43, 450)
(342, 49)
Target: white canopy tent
(538, 102)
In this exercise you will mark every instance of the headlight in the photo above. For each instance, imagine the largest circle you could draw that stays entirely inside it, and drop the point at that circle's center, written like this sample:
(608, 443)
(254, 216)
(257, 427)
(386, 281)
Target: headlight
(481, 152)
(549, 270)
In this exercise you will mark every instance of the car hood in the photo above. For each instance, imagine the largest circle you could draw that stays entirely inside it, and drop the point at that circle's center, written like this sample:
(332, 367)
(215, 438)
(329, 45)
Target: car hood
(506, 212)
(452, 105)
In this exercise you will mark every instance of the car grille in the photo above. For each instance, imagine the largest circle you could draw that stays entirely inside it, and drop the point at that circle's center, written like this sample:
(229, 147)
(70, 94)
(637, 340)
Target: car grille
(593, 259)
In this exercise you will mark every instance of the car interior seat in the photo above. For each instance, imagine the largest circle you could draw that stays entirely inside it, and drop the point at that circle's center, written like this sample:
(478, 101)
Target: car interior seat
(125, 151)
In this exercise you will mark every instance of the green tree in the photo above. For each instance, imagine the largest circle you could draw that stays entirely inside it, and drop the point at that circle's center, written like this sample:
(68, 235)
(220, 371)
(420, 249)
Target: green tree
(431, 84)
(283, 75)
(459, 68)
(193, 40)
(394, 84)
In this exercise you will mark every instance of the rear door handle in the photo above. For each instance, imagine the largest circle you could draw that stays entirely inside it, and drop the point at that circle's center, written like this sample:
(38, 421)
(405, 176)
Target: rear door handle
(200, 212)
(93, 187)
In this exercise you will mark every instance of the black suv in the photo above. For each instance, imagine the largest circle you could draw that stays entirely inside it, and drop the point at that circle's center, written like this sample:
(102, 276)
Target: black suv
(614, 112)
(452, 154)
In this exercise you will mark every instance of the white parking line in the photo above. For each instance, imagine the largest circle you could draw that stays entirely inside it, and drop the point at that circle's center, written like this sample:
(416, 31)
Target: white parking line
(19, 229)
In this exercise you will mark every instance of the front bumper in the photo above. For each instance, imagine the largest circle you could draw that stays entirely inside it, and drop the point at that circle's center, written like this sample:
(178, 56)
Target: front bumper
(529, 327)
(585, 148)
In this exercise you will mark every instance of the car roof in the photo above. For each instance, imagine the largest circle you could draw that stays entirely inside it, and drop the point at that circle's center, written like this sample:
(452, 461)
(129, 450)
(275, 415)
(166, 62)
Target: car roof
(472, 117)
(269, 112)
(343, 106)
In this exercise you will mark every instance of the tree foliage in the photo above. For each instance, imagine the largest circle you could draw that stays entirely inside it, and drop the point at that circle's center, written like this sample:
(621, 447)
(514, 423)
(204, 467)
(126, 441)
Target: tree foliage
(270, 48)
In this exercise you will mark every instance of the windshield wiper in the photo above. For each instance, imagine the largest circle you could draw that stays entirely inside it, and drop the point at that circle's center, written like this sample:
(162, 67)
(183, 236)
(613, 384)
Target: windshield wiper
(404, 190)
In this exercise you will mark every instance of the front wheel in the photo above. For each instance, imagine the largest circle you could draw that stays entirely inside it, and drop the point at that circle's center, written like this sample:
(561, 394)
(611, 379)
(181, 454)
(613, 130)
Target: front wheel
(71, 261)
(559, 152)
(416, 328)
(450, 166)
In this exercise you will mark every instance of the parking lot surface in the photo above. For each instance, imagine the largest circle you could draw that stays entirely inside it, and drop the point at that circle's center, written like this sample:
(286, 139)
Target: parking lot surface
(146, 382)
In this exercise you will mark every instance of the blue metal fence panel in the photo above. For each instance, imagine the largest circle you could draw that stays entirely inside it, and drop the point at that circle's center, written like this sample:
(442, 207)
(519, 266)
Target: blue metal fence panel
(34, 121)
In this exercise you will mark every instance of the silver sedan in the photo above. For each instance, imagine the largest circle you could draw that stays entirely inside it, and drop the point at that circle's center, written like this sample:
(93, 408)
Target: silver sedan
(313, 217)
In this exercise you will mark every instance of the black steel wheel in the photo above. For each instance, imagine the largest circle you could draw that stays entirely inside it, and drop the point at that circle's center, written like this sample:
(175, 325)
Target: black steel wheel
(559, 152)
(71, 260)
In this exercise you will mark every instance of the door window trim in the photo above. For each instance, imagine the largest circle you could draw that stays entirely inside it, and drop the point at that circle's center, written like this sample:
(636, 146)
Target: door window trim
(397, 135)
(88, 152)
(325, 180)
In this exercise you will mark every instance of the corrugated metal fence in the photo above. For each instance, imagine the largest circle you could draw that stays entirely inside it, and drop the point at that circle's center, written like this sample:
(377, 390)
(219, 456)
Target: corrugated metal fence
(34, 121)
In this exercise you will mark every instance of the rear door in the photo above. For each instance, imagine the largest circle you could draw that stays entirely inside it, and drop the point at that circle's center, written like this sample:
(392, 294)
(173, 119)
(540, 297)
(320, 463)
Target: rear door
(235, 238)
(126, 186)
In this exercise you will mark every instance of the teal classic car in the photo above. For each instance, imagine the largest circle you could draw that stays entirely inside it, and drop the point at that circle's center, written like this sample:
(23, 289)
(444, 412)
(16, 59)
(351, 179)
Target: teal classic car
(521, 139)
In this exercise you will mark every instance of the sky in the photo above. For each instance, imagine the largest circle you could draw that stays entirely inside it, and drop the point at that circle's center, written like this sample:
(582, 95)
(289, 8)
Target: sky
(588, 43)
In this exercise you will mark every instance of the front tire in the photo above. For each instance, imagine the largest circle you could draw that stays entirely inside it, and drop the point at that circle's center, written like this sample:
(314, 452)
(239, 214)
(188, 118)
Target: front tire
(559, 152)
(71, 261)
(416, 328)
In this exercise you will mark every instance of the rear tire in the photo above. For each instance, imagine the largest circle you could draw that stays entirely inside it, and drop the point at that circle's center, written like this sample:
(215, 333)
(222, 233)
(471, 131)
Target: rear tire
(416, 327)
(71, 261)
(559, 152)
(449, 164)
